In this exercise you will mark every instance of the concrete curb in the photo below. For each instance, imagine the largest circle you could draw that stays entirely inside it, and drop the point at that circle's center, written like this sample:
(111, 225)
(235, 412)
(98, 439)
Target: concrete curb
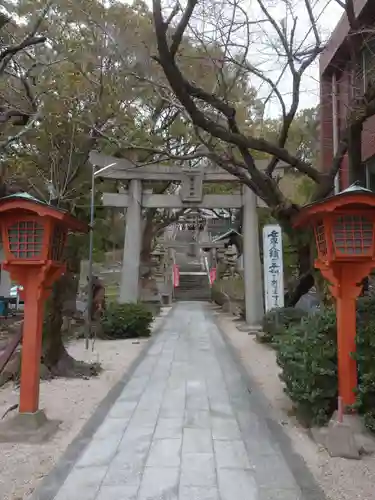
(304, 478)
(52, 483)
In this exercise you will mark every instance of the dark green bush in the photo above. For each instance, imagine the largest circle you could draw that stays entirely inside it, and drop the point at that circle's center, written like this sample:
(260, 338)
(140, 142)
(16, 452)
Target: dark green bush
(276, 321)
(365, 310)
(366, 372)
(365, 358)
(122, 321)
(307, 355)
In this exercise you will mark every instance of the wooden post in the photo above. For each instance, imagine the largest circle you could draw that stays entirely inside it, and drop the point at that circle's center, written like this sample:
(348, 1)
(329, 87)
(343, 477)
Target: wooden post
(31, 349)
(346, 345)
(345, 285)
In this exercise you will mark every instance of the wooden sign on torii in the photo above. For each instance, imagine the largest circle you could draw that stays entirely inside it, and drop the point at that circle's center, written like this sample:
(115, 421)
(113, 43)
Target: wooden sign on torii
(191, 195)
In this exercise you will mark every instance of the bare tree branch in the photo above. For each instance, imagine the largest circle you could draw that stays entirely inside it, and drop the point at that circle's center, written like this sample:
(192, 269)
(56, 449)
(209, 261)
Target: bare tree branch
(10, 113)
(31, 39)
(348, 6)
(186, 93)
(10, 140)
(9, 52)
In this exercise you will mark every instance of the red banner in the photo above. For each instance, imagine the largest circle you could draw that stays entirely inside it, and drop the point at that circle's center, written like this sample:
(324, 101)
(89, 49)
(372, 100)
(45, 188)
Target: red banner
(212, 275)
(176, 275)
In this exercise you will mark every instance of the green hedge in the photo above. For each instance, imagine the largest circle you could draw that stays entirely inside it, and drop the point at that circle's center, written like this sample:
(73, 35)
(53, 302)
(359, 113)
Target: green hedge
(307, 355)
(122, 321)
(366, 371)
(276, 321)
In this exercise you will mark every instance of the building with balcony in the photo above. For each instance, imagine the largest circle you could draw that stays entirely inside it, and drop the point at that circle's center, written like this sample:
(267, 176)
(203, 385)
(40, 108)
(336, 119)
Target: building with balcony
(340, 84)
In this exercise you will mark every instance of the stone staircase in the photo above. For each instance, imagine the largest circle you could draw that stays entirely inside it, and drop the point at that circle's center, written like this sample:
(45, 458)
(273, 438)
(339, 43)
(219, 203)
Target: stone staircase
(193, 280)
(193, 285)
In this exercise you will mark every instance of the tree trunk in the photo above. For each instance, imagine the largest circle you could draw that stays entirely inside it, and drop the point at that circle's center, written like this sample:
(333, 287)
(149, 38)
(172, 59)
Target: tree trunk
(301, 240)
(304, 285)
(147, 240)
(305, 275)
(55, 356)
(355, 153)
(54, 352)
(148, 285)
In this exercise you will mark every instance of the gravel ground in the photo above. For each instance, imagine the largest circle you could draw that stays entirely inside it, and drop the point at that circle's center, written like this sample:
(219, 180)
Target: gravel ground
(72, 401)
(339, 478)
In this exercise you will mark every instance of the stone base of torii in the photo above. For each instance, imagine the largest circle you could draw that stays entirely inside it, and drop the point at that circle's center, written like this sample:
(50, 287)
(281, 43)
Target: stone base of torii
(190, 196)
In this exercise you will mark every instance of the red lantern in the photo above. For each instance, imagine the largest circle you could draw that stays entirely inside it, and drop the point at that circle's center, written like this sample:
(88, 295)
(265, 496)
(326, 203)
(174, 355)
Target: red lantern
(344, 228)
(34, 236)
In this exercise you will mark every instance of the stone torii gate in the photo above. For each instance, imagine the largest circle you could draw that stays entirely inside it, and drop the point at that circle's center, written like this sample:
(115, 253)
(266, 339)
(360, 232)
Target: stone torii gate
(190, 196)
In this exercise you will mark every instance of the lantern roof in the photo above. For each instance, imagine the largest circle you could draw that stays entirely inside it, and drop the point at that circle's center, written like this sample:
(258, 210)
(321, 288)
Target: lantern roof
(354, 188)
(21, 202)
(353, 198)
(23, 196)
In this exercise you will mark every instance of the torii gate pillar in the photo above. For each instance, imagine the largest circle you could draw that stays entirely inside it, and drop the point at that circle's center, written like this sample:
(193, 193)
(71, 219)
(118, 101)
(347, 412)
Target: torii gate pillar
(129, 287)
(251, 260)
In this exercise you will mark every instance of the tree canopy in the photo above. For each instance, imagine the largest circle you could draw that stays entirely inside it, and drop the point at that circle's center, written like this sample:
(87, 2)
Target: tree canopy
(227, 139)
(97, 77)
(90, 81)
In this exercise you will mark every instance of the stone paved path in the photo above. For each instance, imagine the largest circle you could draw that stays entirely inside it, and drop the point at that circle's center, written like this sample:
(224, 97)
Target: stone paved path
(184, 428)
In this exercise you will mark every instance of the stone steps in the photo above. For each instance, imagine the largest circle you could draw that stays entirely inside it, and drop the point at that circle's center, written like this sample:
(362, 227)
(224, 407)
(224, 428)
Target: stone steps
(193, 287)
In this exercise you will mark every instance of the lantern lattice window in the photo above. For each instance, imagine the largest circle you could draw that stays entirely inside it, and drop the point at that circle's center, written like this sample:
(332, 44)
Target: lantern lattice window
(353, 235)
(25, 239)
(320, 237)
(57, 243)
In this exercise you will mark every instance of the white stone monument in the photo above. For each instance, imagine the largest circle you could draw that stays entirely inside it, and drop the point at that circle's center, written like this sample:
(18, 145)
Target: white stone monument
(273, 266)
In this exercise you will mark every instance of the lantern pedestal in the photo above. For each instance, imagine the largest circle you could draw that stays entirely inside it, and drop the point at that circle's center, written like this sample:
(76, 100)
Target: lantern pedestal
(346, 439)
(340, 440)
(33, 428)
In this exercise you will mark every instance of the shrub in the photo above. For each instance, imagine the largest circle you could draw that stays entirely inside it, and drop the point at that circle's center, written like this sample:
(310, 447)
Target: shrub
(276, 321)
(307, 355)
(366, 373)
(364, 356)
(123, 321)
(365, 310)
